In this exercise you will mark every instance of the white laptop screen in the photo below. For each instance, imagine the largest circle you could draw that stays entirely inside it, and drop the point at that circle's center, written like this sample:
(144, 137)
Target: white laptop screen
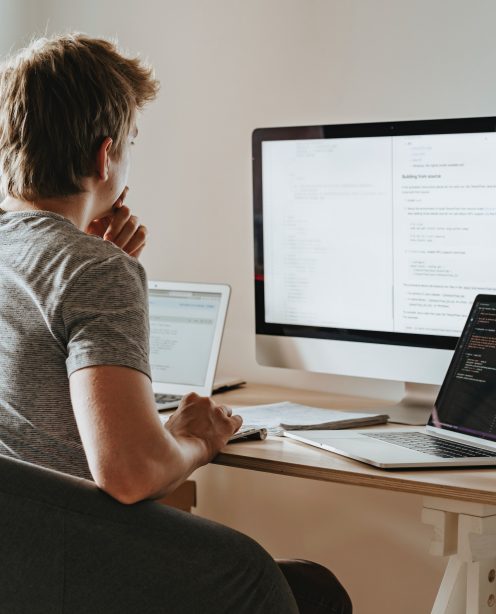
(182, 329)
(467, 400)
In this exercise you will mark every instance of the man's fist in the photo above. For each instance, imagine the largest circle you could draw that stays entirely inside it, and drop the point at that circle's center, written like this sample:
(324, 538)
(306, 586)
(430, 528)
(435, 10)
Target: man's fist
(201, 419)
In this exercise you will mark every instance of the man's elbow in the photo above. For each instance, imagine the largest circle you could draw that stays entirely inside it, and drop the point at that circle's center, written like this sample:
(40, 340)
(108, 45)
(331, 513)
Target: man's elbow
(124, 496)
(124, 488)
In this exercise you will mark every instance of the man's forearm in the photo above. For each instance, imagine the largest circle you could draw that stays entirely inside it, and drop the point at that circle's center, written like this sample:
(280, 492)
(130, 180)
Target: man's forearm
(166, 475)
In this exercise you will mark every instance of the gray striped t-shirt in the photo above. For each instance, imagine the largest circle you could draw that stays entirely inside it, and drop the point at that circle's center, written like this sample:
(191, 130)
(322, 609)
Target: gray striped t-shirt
(67, 301)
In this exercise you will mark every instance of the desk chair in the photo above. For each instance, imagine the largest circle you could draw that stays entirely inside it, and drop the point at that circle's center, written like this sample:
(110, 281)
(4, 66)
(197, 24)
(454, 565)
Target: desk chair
(66, 547)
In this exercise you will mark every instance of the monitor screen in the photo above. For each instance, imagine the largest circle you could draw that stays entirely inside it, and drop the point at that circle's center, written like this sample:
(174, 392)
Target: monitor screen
(374, 234)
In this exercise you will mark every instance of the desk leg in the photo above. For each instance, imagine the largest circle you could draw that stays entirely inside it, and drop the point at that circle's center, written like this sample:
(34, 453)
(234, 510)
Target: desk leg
(466, 532)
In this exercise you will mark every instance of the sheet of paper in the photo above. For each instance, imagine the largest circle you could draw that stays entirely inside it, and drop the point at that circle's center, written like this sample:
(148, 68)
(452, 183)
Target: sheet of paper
(271, 416)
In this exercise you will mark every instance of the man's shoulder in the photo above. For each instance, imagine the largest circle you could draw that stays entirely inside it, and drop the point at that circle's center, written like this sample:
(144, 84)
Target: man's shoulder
(91, 256)
(55, 253)
(75, 250)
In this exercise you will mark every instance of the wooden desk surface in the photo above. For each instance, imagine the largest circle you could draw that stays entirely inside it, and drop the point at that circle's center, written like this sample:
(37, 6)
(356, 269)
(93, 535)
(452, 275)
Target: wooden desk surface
(286, 457)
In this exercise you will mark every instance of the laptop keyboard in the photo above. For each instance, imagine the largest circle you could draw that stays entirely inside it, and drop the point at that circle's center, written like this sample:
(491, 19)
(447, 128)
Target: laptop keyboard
(167, 398)
(432, 445)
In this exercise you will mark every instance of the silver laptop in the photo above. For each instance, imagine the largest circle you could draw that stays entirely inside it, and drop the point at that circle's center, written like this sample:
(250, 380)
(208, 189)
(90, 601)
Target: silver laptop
(186, 325)
(462, 427)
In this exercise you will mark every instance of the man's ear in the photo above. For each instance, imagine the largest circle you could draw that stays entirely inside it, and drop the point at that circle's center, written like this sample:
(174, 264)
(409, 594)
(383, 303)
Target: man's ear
(103, 158)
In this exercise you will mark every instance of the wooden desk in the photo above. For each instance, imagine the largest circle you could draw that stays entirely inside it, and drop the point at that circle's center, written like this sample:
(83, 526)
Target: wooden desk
(460, 504)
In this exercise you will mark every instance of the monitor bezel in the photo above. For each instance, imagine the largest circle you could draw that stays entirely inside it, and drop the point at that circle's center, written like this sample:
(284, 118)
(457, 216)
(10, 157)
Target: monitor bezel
(355, 130)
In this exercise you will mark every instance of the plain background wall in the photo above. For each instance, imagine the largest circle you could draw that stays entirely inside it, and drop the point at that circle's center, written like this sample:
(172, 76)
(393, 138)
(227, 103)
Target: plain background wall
(227, 67)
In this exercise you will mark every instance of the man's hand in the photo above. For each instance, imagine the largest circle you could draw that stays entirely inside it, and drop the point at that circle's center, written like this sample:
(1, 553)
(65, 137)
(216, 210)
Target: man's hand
(201, 419)
(121, 228)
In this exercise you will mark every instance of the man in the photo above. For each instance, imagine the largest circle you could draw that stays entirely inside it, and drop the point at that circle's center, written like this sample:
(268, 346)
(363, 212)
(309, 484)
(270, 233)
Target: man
(75, 390)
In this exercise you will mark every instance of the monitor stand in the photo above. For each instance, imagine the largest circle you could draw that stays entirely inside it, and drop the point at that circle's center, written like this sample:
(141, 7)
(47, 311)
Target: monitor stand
(415, 407)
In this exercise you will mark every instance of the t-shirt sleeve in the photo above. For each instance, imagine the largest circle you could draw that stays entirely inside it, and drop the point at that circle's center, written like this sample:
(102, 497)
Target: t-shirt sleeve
(105, 315)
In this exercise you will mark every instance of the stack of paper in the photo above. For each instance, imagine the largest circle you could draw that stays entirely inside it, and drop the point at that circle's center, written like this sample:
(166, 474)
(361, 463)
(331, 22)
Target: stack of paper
(278, 417)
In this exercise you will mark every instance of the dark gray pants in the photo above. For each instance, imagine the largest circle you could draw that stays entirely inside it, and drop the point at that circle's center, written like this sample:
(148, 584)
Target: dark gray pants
(66, 547)
(315, 588)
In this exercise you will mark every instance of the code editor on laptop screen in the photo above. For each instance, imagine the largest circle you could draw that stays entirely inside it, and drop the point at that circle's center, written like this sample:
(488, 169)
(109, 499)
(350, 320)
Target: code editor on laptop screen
(467, 400)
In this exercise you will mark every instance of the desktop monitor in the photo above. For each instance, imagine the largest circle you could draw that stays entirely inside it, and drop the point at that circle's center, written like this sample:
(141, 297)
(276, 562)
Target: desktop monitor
(371, 242)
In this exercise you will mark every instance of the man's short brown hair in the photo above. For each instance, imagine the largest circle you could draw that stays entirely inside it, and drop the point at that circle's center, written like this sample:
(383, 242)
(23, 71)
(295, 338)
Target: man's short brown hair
(59, 98)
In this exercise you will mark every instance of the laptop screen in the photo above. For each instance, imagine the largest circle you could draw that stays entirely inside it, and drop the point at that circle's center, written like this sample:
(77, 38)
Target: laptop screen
(467, 399)
(182, 331)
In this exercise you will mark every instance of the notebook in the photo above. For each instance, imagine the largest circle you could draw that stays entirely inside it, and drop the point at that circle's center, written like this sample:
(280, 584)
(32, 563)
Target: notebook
(186, 325)
(461, 430)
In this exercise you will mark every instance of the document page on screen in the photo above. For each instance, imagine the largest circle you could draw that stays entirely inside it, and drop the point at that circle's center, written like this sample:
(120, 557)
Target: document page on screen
(444, 194)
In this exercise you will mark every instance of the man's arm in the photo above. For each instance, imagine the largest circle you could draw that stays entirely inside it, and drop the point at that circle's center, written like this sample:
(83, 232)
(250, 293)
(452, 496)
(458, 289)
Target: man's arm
(130, 454)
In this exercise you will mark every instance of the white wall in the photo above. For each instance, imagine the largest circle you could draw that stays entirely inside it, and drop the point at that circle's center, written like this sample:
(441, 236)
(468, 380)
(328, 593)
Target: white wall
(17, 21)
(228, 66)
